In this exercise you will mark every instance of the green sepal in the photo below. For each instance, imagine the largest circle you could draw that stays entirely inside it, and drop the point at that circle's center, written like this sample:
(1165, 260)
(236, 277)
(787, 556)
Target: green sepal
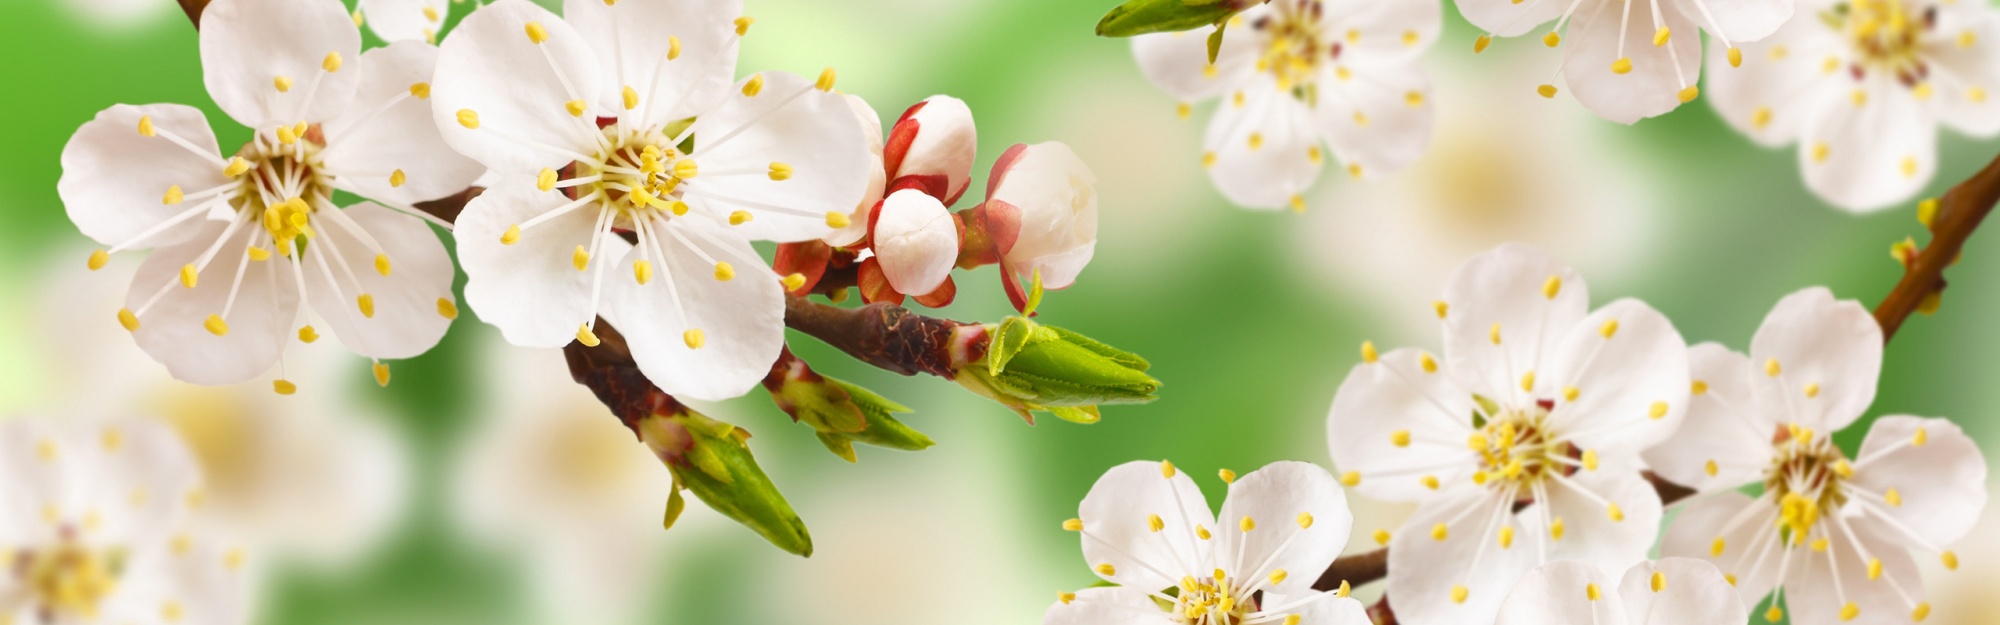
(1139, 17)
(882, 430)
(1215, 41)
(1009, 338)
(676, 504)
(717, 466)
(1029, 366)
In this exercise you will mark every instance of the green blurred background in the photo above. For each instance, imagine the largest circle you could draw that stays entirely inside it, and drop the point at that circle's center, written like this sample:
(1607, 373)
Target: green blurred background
(1250, 318)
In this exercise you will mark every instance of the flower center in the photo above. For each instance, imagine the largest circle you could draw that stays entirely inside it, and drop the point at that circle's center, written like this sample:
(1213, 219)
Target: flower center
(1212, 601)
(1804, 478)
(1517, 449)
(284, 179)
(69, 579)
(635, 174)
(1885, 35)
(1294, 44)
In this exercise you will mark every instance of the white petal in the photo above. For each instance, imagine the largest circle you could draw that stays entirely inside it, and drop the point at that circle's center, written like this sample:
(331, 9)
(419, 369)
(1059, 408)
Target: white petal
(259, 323)
(375, 142)
(1056, 196)
(857, 223)
(1590, 533)
(1720, 427)
(1319, 608)
(1743, 20)
(1505, 293)
(1262, 148)
(115, 181)
(1384, 32)
(1680, 590)
(406, 321)
(935, 140)
(1966, 76)
(1658, 73)
(249, 47)
(1750, 547)
(46, 465)
(1396, 399)
(1178, 62)
(1380, 119)
(1117, 526)
(1560, 593)
(1507, 18)
(1631, 379)
(790, 122)
(1423, 589)
(916, 240)
(1941, 486)
(143, 474)
(517, 89)
(1781, 82)
(531, 290)
(1830, 350)
(405, 20)
(742, 319)
(1116, 605)
(1299, 522)
(1869, 156)
(1813, 596)
(633, 39)
(200, 585)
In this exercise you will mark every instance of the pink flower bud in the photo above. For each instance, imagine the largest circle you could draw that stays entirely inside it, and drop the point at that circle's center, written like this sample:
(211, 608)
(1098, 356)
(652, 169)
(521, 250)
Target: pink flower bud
(1041, 210)
(916, 240)
(932, 147)
(857, 224)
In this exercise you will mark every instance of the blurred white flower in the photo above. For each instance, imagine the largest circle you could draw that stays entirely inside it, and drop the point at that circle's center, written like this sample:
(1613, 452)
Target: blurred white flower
(210, 302)
(1625, 64)
(1862, 86)
(554, 480)
(1296, 74)
(777, 157)
(115, 16)
(1146, 528)
(1829, 535)
(1537, 399)
(1672, 591)
(93, 519)
(404, 20)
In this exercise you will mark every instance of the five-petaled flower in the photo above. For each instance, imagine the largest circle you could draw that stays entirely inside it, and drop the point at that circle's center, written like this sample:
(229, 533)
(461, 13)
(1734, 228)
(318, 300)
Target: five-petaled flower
(1631, 59)
(1146, 528)
(1862, 86)
(1672, 591)
(244, 243)
(1829, 535)
(1526, 431)
(1295, 74)
(586, 118)
(93, 517)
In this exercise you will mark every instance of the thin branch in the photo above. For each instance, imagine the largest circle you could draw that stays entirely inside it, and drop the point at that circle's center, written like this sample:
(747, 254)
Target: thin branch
(1961, 211)
(193, 10)
(885, 335)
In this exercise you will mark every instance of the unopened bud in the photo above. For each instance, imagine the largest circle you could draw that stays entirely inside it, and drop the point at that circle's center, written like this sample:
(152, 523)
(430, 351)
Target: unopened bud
(935, 144)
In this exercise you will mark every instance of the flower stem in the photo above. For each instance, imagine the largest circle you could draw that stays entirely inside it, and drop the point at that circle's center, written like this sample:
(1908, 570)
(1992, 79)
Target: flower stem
(1960, 212)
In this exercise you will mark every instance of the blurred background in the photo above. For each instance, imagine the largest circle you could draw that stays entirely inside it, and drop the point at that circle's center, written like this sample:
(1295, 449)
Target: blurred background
(482, 486)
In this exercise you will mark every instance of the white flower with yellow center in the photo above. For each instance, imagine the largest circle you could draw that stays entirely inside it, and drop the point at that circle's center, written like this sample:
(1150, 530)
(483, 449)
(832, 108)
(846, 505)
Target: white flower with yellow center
(1672, 591)
(243, 244)
(1147, 529)
(1521, 443)
(634, 176)
(1829, 535)
(1862, 86)
(92, 526)
(1294, 75)
(1631, 59)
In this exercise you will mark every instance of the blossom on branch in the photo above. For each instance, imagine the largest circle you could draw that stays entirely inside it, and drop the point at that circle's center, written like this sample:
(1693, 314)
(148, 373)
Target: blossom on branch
(244, 244)
(1527, 430)
(1672, 591)
(1829, 535)
(1147, 529)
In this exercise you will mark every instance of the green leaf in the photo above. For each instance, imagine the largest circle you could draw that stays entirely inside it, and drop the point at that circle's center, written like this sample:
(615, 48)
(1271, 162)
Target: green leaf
(1119, 356)
(1139, 17)
(747, 495)
(1085, 415)
(1009, 338)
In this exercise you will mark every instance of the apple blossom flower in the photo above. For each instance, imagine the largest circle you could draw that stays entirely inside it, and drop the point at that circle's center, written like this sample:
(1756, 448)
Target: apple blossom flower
(585, 118)
(93, 519)
(1147, 529)
(916, 241)
(211, 303)
(1528, 427)
(1672, 591)
(1041, 213)
(932, 147)
(1632, 60)
(1862, 86)
(403, 20)
(1829, 535)
(1295, 74)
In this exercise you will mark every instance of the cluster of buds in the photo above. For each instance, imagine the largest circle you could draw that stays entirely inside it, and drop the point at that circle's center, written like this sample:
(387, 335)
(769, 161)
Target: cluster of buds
(1038, 222)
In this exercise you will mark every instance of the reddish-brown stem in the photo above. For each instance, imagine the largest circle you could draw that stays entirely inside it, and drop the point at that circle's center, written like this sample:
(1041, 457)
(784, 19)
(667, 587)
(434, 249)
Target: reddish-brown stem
(885, 335)
(193, 10)
(1960, 211)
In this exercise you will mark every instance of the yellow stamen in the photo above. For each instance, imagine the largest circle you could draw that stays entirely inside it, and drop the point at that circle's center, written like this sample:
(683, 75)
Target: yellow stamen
(128, 320)
(382, 264)
(284, 387)
(536, 33)
(446, 308)
(754, 86)
(216, 325)
(585, 336)
(724, 272)
(694, 338)
(381, 374)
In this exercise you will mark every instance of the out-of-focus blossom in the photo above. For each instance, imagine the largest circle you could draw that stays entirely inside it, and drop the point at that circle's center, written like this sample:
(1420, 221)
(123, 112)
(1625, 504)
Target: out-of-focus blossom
(1672, 591)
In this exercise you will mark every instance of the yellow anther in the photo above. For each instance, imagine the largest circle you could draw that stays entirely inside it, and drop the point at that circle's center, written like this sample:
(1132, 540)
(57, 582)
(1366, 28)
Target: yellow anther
(1975, 94)
(686, 168)
(236, 167)
(1716, 548)
(1184, 110)
(1478, 442)
(1921, 612)
(1278, 576)
(446, 308)
(642, 271)
(576, 108)
(1735, 57)
(1590, 590)
(382, 264)
(331, 63)
(1849, 611)
(1922, 436)
(1922, 91)
(1493, 333)
(1350, 479)
(1622, 66)
(678, 207)
(1506, 536)
(366, 303)
(1967, 39)
(216, 325)
(1458, 594)
(1760, 117)
(1844, 469)
(286, 136)
(430, 14)
(1107, 570)
(1247, 524)
(1950, 560)
(1570, 393)
(1343, 593)
(1400, 438)
(836, 219)
(421, 90)
(1658, 411)
(673, 48)
(1661, 36)
(511, 236)
(1590, 460)
(743, 25)
(1256, 141)
(1208, 160)
(792, 282)
(307, 334)
(1528, 381)
(1368, 354)
(1441, 308)
(580, 258)
(1429, 364)
(826, 78)
(397, 178)
(1440, 532)
(1772, 368)
(1820, 152)
(1609, 329)
(1305, 520)
(1893, 497)
(381, 374)
(1065, 597)
(1689, 93)
(544, 181)
(1073, 525)
(282, 83)
(1711, 468)
(1556, 529)
(1479, 45)
(1729, 577)
(146, 126)
(1874, 568)
(1552, 39)
(1382, 537)
(585, 336)
(1430, 482)
(1414, 98)
(284, 387)
(781, 171)
(468, 118)
(629, 97)
(128, 320)
(1154, 523)
(536, 33)
(188, 275)
(724, 272)
(1354, 170)
(754, 86)
(99, 257)
(1698, 387)
(694, 338)
(1547, 91)
(1202, 533)
(1228, 476)
(1774, 614)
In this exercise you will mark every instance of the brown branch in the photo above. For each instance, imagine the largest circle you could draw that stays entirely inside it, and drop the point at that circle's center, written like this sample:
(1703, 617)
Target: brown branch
(193, 10)
(885, 335)
(1959, 213)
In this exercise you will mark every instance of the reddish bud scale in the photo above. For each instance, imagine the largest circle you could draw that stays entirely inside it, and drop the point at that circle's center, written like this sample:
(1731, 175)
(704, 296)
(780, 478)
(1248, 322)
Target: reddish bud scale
(806, 258)
(901, 136)
(941, 297)
(874, 284)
